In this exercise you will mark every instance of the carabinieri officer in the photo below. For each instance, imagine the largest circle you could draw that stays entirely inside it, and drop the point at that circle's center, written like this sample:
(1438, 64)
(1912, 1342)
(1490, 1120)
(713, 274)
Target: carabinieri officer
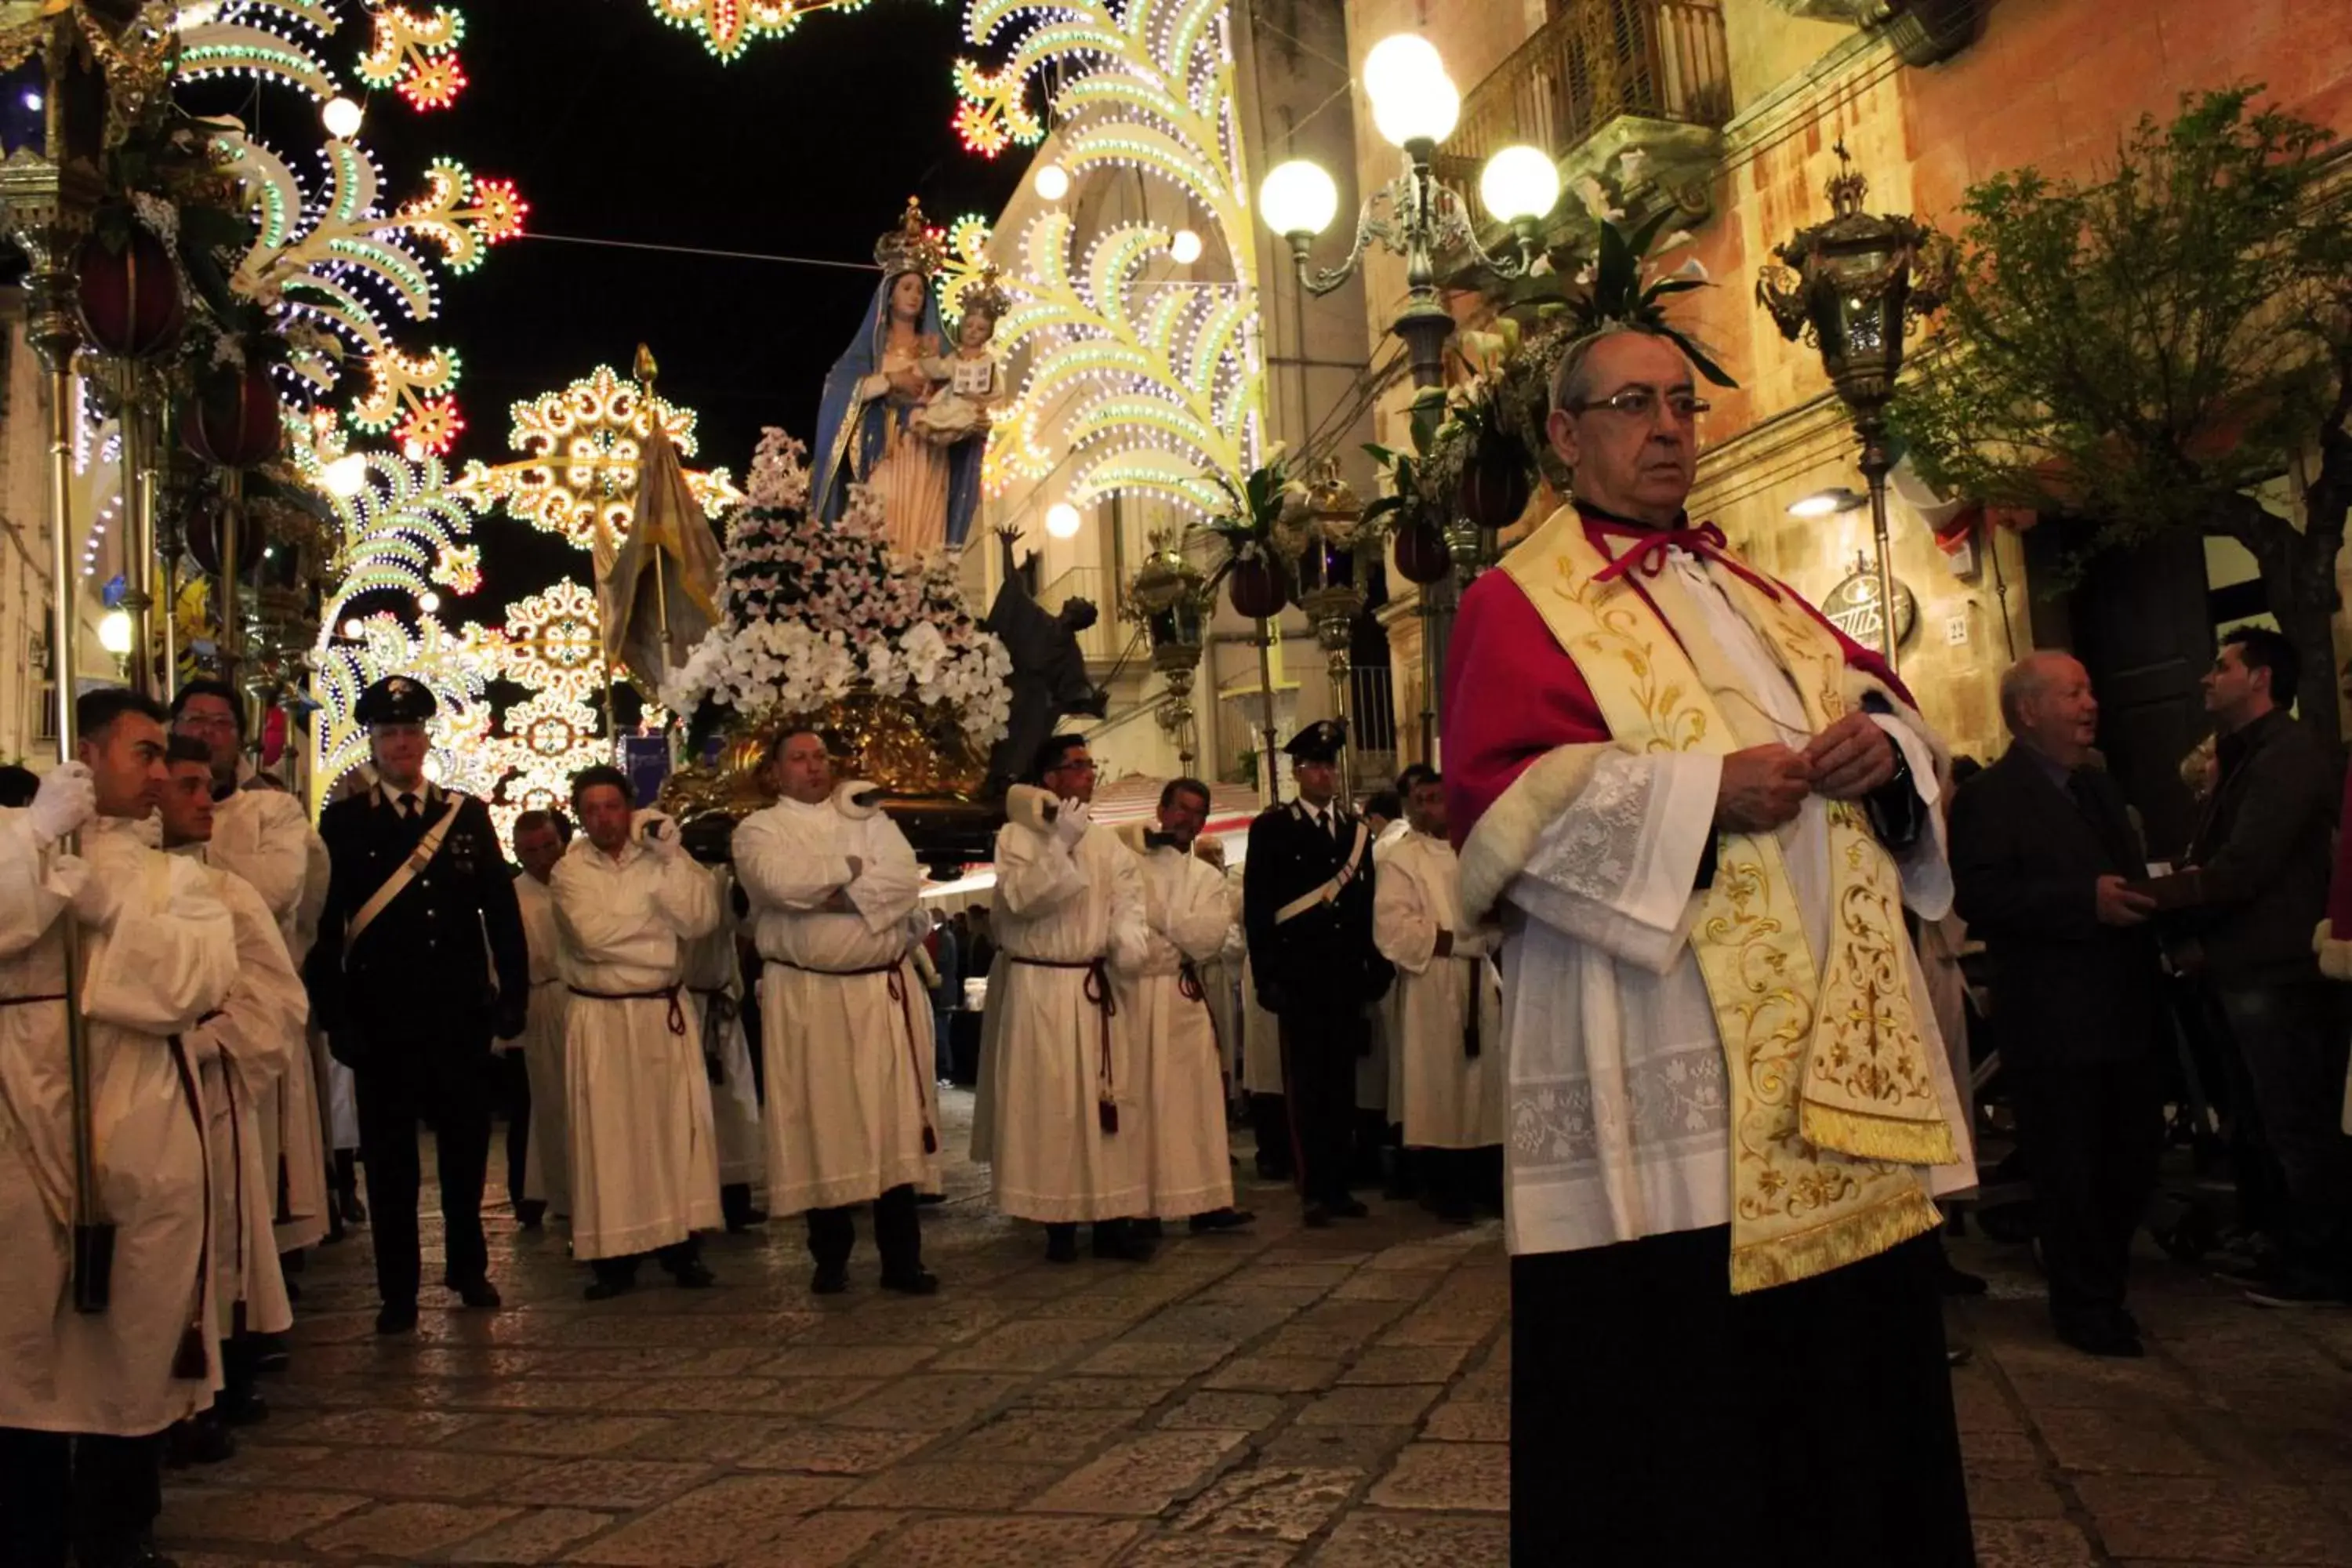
(420, 960)
(1307, 908)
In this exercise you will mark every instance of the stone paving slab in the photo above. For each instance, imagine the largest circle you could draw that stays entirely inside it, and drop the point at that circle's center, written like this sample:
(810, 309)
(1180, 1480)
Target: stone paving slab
(1277, 1398)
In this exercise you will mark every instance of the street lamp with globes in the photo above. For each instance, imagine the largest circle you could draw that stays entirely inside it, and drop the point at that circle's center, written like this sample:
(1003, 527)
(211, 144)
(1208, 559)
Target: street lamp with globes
(1414, 105)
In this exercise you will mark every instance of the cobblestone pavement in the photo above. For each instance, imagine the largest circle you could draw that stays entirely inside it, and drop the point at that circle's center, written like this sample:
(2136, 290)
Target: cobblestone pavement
(1275, 1397)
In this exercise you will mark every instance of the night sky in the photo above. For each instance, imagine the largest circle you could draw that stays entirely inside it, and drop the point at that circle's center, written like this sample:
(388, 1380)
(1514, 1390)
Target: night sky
(617, 126)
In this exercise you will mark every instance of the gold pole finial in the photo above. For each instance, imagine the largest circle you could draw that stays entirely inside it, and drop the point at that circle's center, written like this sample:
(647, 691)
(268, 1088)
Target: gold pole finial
(645, 368)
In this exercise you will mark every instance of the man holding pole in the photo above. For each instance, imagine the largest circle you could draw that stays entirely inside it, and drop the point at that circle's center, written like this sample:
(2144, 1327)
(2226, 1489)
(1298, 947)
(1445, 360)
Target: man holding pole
(107, 955)
(240, 1050)
(850, 1117)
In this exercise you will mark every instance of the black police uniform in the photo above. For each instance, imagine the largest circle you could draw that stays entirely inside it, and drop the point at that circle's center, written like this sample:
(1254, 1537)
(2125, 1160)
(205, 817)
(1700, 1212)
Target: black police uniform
(411, 1004)
(1314, 972)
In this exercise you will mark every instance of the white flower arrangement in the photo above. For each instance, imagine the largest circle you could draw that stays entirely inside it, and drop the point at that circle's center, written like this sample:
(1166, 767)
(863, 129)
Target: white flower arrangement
(815, 611)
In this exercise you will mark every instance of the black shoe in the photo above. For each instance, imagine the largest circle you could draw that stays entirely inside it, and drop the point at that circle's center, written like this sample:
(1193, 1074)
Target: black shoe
(201, 1440)
(926, 1200)
(1273, 1170)
(1061, 1243)
(603, 1288)
(830, 1280)
(1959, 1356)
(354, 1212)
(745, 1220)
(1349, 1208)
(1317, 1216)
(694, 1275)
(1115, 1240)
(1149, 1229)
(1227, 1218)
(1454, 1210)
(920, 1282)
(2109, 1340)
(397, 1317)
(531, 1214)
(241, 1407)
(269, 1353)
(478, 1294)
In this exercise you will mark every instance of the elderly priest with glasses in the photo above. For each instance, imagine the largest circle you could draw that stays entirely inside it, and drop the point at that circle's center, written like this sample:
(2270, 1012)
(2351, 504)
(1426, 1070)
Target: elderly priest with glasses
(1698, 812)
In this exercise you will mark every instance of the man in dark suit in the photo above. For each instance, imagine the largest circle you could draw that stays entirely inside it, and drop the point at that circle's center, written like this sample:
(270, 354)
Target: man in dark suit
(420, 913)
(2043, 852)
(1307, 908)
(2261, 857)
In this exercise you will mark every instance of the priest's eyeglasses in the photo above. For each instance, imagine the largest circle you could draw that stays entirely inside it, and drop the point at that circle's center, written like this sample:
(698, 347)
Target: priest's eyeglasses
(1644, 402)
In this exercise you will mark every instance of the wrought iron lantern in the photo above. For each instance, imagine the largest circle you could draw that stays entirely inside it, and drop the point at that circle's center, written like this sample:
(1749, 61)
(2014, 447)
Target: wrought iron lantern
(1850, 286)
(1169, 598)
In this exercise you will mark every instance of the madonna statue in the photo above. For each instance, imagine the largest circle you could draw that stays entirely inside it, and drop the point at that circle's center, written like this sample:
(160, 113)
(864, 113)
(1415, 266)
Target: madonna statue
(867, 432)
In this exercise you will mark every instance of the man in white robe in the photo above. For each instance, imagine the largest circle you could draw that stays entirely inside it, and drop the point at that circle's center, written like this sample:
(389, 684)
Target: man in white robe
(240, 1049)
(714, 975)
(263, 835)
(1188, 924)
(1446, 1016)
(1056, 1121)
(645, 1158)
(539, 839)
(846, 1029)
(1725, 1107)
(85, 1395)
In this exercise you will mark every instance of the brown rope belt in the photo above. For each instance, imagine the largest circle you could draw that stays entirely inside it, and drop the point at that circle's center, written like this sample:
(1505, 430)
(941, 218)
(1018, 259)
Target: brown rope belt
(666, 994)
(1189, 986)
(189, 1362)
(1097, 991)
(897, 971)
(28, 1001)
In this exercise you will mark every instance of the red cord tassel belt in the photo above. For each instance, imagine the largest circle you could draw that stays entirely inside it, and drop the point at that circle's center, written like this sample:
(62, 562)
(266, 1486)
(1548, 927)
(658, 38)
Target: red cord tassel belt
(1097, 991)
(897, 970)
(666, 994)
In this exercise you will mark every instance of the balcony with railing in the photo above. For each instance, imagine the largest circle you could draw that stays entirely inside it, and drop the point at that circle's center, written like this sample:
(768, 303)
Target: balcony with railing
(1604, 75)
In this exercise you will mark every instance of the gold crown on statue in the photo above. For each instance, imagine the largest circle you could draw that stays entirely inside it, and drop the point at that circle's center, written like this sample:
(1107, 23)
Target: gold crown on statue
(912, 246)
(985, 293)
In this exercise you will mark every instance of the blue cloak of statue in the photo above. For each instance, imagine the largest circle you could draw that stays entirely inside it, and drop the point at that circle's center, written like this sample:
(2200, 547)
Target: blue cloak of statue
(850, 436)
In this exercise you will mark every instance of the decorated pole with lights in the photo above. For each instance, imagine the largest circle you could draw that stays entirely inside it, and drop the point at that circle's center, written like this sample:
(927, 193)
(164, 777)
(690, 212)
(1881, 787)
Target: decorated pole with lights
(48, 199)
(1414, 105)
(1849, 286)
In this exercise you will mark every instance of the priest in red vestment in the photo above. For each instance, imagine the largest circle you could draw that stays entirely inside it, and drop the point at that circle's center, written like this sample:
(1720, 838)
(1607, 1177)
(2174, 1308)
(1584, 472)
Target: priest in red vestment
(1699, 812)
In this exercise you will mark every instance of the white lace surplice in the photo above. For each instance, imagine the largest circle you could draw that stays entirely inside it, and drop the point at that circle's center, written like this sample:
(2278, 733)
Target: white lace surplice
(1618, 1117)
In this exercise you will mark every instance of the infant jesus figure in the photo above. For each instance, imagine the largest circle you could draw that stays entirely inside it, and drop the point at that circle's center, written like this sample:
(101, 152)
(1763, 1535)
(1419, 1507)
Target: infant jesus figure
(969, 382)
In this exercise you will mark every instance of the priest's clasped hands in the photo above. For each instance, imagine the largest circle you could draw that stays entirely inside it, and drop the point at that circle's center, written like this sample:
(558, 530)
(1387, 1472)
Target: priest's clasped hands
(1766, 787)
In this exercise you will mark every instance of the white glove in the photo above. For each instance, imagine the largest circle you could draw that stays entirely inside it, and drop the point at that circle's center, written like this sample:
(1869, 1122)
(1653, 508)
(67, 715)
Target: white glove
(1070, 822)
(659, 833)
(66, 799)
(92, 895)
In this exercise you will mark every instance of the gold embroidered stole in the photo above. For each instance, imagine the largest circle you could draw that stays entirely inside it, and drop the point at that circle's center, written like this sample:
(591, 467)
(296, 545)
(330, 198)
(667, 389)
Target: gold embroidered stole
(1834, 1112)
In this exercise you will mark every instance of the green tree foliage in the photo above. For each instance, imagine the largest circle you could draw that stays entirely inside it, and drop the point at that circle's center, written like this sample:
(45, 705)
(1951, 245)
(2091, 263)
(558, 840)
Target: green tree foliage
(2140, 351)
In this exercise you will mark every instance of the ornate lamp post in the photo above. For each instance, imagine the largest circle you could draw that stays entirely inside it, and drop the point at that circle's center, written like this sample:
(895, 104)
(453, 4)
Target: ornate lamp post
(1325, 570)
(1414, 104)
(1169, 596)
(1850, 287)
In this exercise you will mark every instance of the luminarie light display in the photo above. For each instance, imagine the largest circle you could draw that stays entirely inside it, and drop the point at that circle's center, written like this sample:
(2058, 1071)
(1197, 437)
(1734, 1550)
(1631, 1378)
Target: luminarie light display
(1156, 382)
(581, 447)
(401, 531)
(727, 27)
